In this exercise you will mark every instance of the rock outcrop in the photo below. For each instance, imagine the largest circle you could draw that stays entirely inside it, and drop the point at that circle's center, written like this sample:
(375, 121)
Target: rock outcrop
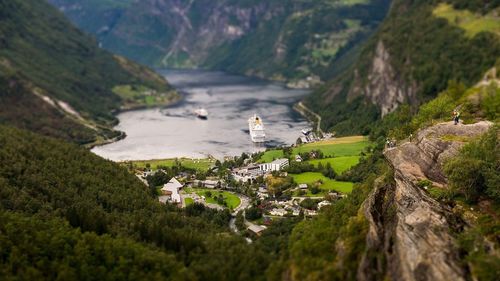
(384, 87)
(409, 236)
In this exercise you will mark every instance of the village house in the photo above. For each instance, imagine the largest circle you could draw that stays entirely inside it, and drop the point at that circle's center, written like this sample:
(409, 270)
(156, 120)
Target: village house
(171, 193)
(147, 173)
(303, 186)
(276, 165)
(248, 173)
(310, 212)
(278, 212)
(206, 183)
(256, 229)
(323, 204)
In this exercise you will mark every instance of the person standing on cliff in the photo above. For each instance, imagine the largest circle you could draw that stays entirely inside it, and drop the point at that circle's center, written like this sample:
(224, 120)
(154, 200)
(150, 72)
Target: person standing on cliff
(456, 116)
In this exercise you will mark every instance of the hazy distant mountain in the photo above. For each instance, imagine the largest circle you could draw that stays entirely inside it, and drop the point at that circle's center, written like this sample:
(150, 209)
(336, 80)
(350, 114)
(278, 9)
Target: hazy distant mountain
(279, 39)
(55, 80)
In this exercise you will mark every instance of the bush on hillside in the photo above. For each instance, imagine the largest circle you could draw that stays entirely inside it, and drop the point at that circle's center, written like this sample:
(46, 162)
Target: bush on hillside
(475, 171)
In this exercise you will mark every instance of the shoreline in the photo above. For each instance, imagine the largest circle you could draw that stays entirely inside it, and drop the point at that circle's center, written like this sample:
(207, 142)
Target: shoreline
(122, 135)
(306, 113)
(176, 101)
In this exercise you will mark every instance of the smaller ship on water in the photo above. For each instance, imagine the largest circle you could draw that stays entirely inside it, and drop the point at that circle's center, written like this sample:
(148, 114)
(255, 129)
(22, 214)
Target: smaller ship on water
(256, 128)
(201, 113)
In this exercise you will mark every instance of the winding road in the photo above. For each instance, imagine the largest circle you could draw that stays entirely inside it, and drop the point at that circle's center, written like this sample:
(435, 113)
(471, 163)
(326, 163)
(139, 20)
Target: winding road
(303, 109)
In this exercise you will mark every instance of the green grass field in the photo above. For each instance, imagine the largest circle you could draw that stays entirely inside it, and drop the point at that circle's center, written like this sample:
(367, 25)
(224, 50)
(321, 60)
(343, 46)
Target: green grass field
(197, 164)
(139, 95)
(339, 164)
(188, 201)
(231, 200)
(328, 184)
(348, 146)
(270, 155)
(472, 23)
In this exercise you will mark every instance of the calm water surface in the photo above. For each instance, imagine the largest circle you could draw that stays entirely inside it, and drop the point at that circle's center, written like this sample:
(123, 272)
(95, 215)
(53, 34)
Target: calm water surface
(230, 100)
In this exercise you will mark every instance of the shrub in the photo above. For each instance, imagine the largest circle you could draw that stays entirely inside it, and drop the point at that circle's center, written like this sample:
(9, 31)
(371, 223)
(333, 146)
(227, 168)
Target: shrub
(475, 171)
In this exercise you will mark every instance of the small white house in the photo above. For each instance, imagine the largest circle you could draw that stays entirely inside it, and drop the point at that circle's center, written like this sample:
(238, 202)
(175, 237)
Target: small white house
(256, 229)
(276, 165)
(323, 204)
(303, 186)
(278, 212)
(210, 183)
(172, 189)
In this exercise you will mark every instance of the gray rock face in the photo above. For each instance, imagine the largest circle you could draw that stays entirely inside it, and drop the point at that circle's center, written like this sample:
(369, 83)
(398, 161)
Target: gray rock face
(383, 86)
(407, 226)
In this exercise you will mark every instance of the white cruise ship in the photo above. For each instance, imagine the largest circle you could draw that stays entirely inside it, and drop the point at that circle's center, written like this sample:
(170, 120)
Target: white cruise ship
(201, 113)
(256, 128)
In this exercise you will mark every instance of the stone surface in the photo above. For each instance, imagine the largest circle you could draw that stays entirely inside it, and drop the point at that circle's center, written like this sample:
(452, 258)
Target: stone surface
(408, 227)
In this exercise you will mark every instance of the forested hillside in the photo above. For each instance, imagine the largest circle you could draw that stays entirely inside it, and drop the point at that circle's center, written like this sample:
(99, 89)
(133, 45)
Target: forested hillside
(278, 39)
(66, 213)
(418, 49)
(55, 80)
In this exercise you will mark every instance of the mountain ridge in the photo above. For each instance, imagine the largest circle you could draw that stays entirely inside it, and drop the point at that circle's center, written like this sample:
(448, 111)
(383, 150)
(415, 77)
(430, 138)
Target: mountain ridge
(281, 40)
(47, 63)
(409, 60)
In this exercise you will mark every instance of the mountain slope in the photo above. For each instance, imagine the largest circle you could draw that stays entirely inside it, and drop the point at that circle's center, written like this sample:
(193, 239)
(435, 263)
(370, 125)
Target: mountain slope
(285, 40)
(53, 71)
(55, 195)
(425, 209)
(410, 60)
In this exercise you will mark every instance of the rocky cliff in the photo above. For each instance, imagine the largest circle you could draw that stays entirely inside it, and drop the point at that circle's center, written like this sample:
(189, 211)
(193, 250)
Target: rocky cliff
(410, 235)
(303, 41)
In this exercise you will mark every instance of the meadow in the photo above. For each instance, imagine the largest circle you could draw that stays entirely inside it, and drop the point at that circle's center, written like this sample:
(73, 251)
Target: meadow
(232, 201)
(197, 164)
(342, 154)
(472, 23)
(326, 183)
(339, 164)
(271, 155)
(346, 146)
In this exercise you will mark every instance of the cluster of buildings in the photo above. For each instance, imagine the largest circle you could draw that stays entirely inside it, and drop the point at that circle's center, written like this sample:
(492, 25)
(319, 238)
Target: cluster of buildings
(252, 171)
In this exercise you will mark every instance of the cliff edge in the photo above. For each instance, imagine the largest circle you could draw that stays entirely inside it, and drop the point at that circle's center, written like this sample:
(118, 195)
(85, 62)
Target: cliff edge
(409, 236)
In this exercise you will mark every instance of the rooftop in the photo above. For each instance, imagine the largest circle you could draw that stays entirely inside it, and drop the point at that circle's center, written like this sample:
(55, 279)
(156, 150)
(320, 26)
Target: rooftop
(280, 161)
(256, 228)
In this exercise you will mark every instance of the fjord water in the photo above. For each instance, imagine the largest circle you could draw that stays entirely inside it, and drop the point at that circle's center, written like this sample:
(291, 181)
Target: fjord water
(229, 99)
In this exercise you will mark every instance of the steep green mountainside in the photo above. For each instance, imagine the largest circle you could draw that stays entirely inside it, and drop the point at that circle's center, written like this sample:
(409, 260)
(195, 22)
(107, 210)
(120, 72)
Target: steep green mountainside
(55, 79)
(420, 46)
(284, 40)
(355, 238)
(65, 212)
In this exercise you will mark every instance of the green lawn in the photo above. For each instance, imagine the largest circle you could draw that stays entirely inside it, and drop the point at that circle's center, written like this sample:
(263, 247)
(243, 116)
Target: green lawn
(138, 95)
(339, 164)
(328, 184)
(232, 200)
(348, 146)
(197, 164)
(270, 155)
(188, 201)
